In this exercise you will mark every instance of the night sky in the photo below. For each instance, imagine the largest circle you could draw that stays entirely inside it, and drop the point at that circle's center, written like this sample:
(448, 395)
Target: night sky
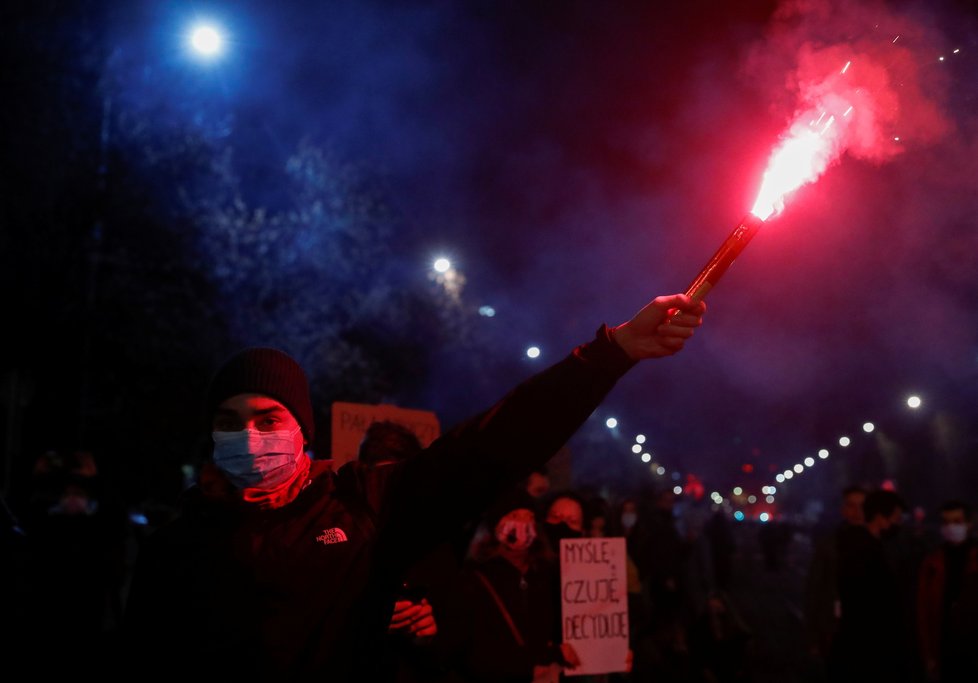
(573, 160)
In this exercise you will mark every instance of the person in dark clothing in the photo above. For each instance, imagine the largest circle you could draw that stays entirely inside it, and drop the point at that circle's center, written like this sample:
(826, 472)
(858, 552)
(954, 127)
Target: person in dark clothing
(661, 650)
(947, 600)
(822, 606)
(565, 517)
(720, 535)
(413, 624)
(865, 647)
(279, 568)
(501, 619)
(718, 642)
(75, 535)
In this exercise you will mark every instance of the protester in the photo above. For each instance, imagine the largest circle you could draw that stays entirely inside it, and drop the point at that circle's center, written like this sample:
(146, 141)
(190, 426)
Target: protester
(284, 571)
(73, 570)
(661, 649)
(866, 645)
(722, 546)
(413, 625)
(565, 518)
(822, 606)
(501, 621)
(537, 484)
(597, 516)
(947, 600)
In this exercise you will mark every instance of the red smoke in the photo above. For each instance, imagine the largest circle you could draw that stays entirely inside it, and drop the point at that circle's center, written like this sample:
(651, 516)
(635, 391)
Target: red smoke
(893, 82)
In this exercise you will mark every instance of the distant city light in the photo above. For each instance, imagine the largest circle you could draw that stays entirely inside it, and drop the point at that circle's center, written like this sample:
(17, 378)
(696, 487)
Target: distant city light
(533, 352)
(646, 457)
(138, 518)
(660, 470)
(487, 311)
(206, 40)
(779, 478)
(868, 427)
(788, 474)
(737, 491)
(844, 441)
(914, 401)
(809, 462)
(799, 468)
(640, 438)
(441, 265)
(677, 490)
(770, 500)
(636, 448)
(739, 516)
(823, 453)
(764, 516)
(752, 499)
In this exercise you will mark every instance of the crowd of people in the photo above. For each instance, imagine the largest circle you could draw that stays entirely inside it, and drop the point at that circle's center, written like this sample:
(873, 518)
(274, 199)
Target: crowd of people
(441, 563)
(885, 601)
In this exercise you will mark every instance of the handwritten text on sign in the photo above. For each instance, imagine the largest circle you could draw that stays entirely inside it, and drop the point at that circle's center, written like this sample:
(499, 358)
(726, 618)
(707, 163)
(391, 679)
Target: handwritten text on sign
(594, 603)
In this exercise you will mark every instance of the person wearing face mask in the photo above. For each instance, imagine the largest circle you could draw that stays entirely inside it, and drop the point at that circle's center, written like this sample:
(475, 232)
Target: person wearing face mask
(947, 600)
(279, 568)
(565, 518)
(501, 620)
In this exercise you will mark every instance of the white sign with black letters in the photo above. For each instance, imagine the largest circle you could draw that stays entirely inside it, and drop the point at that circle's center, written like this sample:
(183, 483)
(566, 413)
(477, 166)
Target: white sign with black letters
(594, 603)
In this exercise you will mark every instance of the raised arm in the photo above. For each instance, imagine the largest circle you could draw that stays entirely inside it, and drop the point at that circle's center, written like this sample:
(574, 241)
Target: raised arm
(456, 477)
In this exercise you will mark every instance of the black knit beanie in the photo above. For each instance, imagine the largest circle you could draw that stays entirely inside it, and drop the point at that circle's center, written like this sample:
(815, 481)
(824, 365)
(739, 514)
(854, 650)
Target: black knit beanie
(266, 371)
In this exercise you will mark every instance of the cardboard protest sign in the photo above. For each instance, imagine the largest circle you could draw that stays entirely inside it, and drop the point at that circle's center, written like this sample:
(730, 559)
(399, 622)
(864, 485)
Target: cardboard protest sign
(594, 603)
(350, 422)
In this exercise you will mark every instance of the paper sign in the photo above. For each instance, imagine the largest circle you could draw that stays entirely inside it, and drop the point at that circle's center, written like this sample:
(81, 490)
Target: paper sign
(350, 422)
(594, 603)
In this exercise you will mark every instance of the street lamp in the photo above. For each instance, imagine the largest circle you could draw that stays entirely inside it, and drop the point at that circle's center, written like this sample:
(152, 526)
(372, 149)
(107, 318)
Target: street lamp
(206, 40)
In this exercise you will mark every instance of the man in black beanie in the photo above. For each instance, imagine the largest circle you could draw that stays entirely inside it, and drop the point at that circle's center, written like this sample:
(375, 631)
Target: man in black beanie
(278, 568)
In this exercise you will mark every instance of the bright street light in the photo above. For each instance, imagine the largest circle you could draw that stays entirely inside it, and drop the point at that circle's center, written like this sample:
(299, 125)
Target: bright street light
(206, 40)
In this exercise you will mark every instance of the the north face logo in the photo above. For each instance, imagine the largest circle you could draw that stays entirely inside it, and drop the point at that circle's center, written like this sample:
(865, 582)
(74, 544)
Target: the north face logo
(330, 536)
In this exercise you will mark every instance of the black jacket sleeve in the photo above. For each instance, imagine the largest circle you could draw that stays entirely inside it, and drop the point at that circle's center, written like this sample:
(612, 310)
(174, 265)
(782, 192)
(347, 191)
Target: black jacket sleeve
(460, 474)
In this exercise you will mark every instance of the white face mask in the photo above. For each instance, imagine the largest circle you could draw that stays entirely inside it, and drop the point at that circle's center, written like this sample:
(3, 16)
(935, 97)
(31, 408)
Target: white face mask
(954, 533)
(260, 460)
(516, 535)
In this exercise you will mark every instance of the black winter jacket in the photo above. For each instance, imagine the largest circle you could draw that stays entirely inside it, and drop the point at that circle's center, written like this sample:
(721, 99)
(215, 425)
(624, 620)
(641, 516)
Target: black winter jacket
(305, 591)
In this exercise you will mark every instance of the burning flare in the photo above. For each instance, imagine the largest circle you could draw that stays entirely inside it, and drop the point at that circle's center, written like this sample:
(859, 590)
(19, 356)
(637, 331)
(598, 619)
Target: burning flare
(806, 150)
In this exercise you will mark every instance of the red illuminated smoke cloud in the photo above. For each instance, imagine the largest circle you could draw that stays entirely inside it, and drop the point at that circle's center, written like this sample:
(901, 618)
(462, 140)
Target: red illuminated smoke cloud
(894, 82)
